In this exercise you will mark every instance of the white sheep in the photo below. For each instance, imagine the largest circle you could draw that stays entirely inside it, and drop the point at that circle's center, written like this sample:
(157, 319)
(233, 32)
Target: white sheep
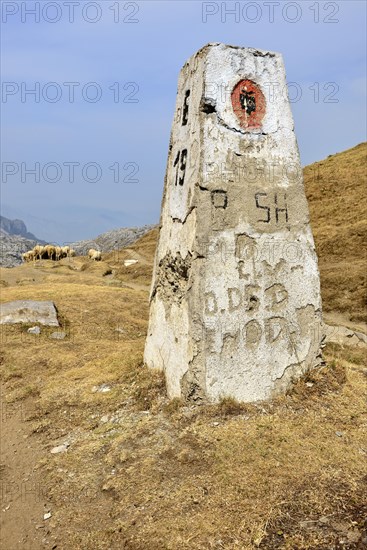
(38, 251)
(65, 250)
(95, 255)
(28, 256)
(57, 253)
(50, 251)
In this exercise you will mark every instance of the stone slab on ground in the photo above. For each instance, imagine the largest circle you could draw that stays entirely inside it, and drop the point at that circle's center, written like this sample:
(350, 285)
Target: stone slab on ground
(337, 334)
(58, 335)
(29, 311)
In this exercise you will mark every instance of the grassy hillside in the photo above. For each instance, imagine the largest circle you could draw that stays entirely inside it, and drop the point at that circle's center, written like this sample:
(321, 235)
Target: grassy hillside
(142, 472)
(336, 191)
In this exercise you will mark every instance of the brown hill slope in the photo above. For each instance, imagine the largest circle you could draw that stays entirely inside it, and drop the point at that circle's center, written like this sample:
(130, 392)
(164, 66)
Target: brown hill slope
(336, 191)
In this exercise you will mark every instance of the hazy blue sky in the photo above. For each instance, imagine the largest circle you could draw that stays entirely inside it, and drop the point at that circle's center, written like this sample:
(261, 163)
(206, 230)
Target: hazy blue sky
(142, 46)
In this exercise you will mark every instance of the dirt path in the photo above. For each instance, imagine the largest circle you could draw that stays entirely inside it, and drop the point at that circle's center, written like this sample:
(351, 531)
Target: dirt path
(23, 497)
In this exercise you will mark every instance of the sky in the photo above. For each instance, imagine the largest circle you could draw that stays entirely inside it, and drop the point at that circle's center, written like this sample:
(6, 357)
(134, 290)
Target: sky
(89, 90)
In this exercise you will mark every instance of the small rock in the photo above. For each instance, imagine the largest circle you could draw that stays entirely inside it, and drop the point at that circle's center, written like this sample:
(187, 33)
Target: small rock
(58, 335)
(361, 336)
(215, 424)
(104, 418)
(339, 434)
(309, 384)
(60, 448)
(127, 263)
(34, 330)
(103, 388)
(47, 516)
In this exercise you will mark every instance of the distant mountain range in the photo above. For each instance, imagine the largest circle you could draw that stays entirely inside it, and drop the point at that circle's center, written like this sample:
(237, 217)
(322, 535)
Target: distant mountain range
(16, 227)
(15, 240)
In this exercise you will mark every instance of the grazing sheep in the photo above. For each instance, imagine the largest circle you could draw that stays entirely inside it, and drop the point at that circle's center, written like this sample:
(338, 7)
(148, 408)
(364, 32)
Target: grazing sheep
(65, 250)
(57, 253)
(28, 256)
(95, 255)
(38, 251)
(50, 251)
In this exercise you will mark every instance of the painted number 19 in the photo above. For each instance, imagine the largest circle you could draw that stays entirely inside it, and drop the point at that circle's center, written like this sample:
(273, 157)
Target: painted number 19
(180, 165)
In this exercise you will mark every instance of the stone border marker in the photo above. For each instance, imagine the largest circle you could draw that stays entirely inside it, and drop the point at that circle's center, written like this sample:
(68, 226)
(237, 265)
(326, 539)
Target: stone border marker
(235, 306)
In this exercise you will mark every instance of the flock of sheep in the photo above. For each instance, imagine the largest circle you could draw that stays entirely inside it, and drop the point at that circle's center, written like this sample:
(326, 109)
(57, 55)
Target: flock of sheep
(51, 252)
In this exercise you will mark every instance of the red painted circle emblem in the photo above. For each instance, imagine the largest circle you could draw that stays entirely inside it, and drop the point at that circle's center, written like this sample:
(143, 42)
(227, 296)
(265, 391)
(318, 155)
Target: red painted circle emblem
(248, 103)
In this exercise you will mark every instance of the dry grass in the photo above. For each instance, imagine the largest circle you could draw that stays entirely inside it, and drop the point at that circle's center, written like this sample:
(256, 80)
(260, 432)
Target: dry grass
(336, 191)
(142, 472)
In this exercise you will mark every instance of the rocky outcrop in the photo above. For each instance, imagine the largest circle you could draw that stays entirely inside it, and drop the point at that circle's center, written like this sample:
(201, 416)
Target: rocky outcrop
(15, 240)
(12, 247)
(16, 227)
(112, 240)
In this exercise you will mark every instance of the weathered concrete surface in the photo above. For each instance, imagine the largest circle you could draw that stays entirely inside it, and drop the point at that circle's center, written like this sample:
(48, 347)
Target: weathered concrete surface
(29, 311)
(235, 300)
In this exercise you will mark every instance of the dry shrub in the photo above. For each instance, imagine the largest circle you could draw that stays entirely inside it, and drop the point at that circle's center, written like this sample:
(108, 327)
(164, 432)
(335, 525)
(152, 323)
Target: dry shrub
(325, 379)
(147, 386)
(228, 406)
(173, 406)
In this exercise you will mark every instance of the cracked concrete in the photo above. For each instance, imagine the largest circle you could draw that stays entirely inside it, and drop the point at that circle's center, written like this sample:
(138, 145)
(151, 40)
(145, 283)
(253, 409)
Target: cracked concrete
(235, 307)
